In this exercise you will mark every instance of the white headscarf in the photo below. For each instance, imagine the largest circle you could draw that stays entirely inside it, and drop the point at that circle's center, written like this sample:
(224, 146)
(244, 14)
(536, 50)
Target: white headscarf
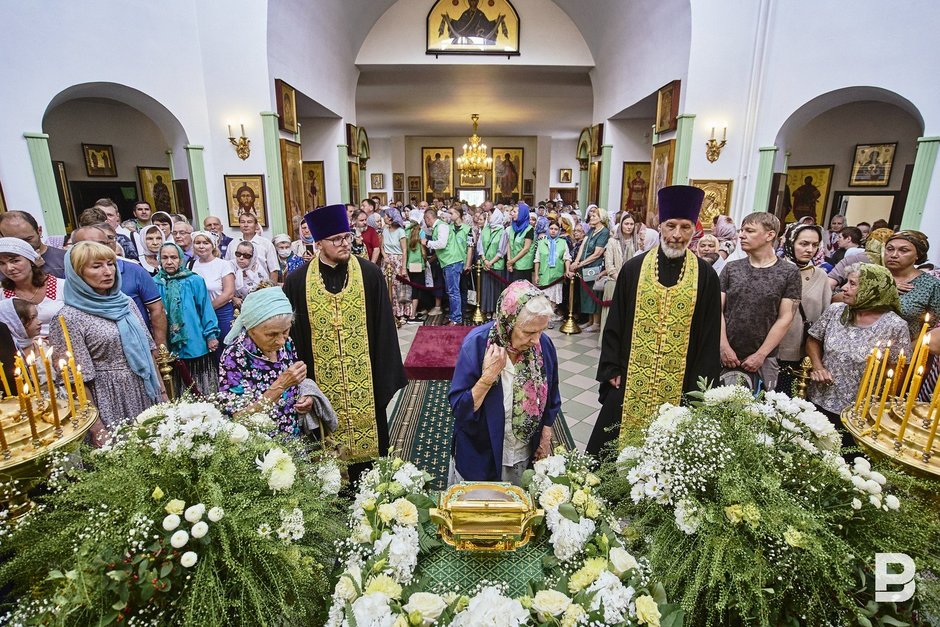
(496, 218)
(8, 317)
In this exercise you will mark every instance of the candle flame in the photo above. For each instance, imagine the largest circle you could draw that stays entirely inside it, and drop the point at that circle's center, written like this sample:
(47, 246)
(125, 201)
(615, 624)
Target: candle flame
(16, 372)
(29, 360)
(79, 369)
(889, 343)
(61, 364)
(920, 370)
(926, 317)
(890, 373)
(68, 354)
(26, 389)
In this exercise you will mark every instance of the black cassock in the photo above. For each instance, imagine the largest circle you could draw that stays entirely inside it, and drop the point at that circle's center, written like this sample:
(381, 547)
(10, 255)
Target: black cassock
(388, 374)
(702, 359)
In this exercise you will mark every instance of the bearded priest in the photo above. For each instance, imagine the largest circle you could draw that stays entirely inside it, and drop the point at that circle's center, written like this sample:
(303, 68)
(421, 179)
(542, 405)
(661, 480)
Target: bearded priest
(663, 328)
(345, 332)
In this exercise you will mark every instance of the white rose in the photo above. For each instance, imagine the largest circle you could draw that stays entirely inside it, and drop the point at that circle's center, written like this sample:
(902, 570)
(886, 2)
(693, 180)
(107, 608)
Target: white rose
(621, 561)
(179, 539)
(430, 606)
(194, 512)
(550, 603)
(189, 559)
(216, 514)
(405, 512)
(238, 433)
(554, 496)
(892, 502)
(171, 522)
(345, 588)
(199, 529)
(856, 504)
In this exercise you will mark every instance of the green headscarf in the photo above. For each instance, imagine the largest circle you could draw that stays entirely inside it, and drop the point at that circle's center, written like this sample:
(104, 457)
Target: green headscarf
(257, 307)
(876, 290)
(173, 285)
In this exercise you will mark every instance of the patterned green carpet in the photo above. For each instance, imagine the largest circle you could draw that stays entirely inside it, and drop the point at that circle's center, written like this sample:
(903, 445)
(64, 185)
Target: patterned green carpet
(421, 426)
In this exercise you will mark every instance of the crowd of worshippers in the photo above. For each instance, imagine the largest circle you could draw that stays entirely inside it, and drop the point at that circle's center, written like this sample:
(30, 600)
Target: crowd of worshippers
(125, 288)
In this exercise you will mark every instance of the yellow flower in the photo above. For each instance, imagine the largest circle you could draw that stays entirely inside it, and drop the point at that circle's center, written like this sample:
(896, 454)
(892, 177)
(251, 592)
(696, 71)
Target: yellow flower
(571, 615)
(592, 509)
(752, 515)
(175, 506)
(405, 512)
(734, 513)
(647, 611)
(794, 538)
(384, 584)
(592, 479)
(368, 505)
(387, 512)
(157, 494)
(587, 574)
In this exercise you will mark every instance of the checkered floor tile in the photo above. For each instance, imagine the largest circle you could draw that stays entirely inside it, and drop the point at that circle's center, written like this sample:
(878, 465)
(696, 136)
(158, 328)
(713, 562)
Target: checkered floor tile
(577, 365)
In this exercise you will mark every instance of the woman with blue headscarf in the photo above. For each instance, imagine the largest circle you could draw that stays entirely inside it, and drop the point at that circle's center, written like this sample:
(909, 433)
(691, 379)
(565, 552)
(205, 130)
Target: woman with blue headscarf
(192, 326)
(259, 364)
(521, 256)
(109, 338)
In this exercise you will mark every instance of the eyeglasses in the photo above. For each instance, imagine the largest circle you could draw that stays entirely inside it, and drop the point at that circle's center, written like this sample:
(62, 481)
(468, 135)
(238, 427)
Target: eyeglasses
(244, 255)
(339, 240)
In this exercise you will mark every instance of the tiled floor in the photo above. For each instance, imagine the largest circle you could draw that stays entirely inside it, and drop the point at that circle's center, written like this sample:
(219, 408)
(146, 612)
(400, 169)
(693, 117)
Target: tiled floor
(577, 365)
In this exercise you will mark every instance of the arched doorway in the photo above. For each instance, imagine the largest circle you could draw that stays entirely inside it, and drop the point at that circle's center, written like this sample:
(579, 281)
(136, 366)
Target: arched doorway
(109, 140)
(850, 152)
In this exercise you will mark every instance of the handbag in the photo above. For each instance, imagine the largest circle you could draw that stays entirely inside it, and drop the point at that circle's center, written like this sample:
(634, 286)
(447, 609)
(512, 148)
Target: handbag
(590, 272)
(415, 267)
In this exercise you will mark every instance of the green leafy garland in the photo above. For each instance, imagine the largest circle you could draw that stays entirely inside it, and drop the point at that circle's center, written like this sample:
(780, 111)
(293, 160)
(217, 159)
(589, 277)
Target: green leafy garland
(747, 510)
(191, 519)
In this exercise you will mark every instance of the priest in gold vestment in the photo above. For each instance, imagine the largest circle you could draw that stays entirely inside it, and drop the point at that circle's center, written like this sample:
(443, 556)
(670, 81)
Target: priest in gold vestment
(663, 328)
(345, 332)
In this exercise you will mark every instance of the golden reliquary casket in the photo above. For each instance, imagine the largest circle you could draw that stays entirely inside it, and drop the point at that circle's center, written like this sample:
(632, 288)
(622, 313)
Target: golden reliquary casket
(486, 516)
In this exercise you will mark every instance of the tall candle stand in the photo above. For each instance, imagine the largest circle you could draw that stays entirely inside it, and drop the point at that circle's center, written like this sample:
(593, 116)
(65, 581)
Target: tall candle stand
(478, 313)
(570, 327)
(165, 360)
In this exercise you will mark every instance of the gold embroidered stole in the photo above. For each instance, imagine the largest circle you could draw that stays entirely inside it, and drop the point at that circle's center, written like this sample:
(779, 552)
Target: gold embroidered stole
(341, 360)
(662, 325)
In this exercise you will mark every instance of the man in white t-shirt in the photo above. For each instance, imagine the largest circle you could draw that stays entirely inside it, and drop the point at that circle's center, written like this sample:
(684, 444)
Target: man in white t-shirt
(248, 225)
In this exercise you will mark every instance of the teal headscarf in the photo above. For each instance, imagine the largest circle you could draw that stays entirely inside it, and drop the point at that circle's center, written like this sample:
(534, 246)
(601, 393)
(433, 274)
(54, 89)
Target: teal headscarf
(173, 288)
(115, 306)
(257, 307)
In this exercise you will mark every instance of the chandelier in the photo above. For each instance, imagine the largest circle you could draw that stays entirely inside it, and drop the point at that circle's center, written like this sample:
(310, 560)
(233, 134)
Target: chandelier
(474, 159)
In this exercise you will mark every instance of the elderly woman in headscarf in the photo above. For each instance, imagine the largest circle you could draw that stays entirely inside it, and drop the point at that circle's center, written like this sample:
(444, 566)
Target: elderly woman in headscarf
(23, 277)
(801, 246)
(521, 257)
(839, 342)
(192, 327)
(394, 246)
(151, 239)
(287, 260)
(492, 247)
(504, 392)
(108, 337)
(259, 365)
(920, 291)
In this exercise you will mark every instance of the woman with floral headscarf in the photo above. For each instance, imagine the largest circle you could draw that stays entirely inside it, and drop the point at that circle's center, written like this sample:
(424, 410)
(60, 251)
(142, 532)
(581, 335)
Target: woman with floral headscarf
(839, 342)
(192, 327)
(904, 252)
(801, 247)
(394, 245)
(504, 392)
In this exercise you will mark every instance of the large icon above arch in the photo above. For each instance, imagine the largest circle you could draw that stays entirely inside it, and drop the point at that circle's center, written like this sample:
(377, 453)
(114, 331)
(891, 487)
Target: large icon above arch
(473, 27)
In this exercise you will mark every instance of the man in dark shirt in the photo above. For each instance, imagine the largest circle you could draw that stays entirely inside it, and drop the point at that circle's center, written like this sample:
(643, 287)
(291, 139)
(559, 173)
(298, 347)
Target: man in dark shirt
(22, 225)
(759, 296)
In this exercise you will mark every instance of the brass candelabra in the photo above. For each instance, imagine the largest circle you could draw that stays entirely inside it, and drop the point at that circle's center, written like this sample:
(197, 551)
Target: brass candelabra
(570, 327)
(165, 361)
(478, 313)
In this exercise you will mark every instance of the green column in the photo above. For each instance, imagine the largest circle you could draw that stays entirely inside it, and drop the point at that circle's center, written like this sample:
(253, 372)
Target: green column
(363, 184)
(277, 214)
(343, 150)
(197, 182)
(765, 177)
(585, 182)
(171, 165)
(38, 146)
(920, 181)
(604, 195)
(680, 171)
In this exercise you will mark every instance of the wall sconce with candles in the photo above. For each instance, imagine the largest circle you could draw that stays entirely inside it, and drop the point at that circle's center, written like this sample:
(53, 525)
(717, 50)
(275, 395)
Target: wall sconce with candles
(242, 144)
(713, 146)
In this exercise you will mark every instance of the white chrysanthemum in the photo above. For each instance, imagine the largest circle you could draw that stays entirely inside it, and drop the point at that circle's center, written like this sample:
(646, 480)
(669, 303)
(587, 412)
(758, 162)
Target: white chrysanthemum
(179, 539)
(171, 522)
(188, 559)
(216, 514)
(330, 478)
(199, 530)
(194, 512)
(278, 468)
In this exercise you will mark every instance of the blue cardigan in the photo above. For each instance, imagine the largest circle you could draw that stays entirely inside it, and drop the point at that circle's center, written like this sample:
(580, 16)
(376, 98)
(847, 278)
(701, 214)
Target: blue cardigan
(477, 445)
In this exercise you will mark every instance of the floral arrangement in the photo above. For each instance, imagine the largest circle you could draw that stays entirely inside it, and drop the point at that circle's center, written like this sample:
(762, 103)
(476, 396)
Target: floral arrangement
(187, 518)
(748, 510)
(590, 580)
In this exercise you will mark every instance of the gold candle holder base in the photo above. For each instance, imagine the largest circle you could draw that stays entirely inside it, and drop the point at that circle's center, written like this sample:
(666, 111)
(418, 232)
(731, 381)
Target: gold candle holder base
(909, 453)
(570, 327)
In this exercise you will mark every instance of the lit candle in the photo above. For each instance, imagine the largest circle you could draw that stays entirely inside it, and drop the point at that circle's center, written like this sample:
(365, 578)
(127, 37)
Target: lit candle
(19, 389)
(74, 370)
(870, 387)
(80, 387)
(899, 368)
(50, 385)
(922, 356)
(65, 333)
(6, 384)
(911, 399)
(64, 371)
(884, 367)
(29, 412)
(862, 386)
(33, 375)
(884, 400)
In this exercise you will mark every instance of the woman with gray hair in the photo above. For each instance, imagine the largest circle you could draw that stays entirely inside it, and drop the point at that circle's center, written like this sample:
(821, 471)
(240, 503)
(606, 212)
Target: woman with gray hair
(504, 392)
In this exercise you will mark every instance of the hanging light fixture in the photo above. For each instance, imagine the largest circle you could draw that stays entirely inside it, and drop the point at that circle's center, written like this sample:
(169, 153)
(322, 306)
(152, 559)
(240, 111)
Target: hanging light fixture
(474, 159)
